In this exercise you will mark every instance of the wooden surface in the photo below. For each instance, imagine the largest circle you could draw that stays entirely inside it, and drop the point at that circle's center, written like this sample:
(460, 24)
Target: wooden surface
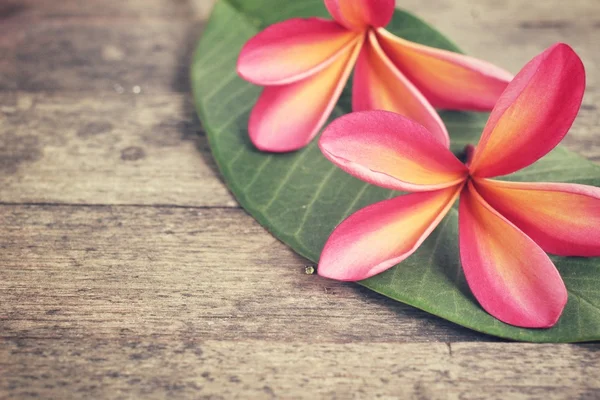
(127, 270)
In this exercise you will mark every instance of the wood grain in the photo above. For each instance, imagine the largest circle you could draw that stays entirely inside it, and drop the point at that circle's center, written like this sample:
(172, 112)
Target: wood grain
(158, 368)
(61, 51)
(120, 9)
(114, 272)
(98, 55)
(110, 149)
(128, 271)
(133, 149)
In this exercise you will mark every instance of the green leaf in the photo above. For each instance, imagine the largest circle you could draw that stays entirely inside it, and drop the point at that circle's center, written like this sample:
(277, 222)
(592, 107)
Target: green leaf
(300, 197)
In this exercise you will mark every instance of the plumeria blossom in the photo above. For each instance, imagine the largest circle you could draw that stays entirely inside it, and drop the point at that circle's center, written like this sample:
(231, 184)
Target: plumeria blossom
(505, 228)
(305, 63)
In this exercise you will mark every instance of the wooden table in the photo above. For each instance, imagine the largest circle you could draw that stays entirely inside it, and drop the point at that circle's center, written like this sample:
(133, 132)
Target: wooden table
(127, 270)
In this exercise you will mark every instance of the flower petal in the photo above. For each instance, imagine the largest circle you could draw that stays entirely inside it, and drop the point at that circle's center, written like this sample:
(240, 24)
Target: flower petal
(291, 50)
(562, 218)
(511, 277)
(388, 150)
(447, 79)
(286, 118)
(360, 14)
(381, 235)
(533, 114)
(378, 85)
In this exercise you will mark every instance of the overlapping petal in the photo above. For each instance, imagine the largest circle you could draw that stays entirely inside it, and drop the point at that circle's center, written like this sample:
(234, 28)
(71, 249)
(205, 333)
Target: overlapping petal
(563, 219)
(388, 150)
(360, 14)
(511, 277)
(286, 118)
(291, 50)
(381, 235)
(533, 114)
(379, 85)
(448, 80)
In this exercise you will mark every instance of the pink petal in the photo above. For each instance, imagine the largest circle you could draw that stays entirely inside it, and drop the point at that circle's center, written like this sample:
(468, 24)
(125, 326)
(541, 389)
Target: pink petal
(447, 79)
(286, 118)
(292, 50)
(511, 277)
(388, 150)
(383, 234)
(358, 15)
(533, 114)
(562, 218)
(378, 85)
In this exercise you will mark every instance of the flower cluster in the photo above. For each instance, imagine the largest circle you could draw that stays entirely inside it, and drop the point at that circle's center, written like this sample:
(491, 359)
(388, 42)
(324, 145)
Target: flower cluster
(304, 65)
(397, 141)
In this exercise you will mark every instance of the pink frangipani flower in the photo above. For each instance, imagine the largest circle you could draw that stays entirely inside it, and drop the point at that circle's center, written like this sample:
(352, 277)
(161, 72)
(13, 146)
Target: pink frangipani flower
(505, 228)
(304, 65)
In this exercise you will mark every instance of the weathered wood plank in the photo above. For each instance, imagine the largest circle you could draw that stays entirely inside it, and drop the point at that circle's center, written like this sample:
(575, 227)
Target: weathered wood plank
(132, 149)
(100, 55)
(90, 49)
(121, 272)
(109, 149)
(121, 9)
(539, 14)
(159, 368)
(130, 9)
